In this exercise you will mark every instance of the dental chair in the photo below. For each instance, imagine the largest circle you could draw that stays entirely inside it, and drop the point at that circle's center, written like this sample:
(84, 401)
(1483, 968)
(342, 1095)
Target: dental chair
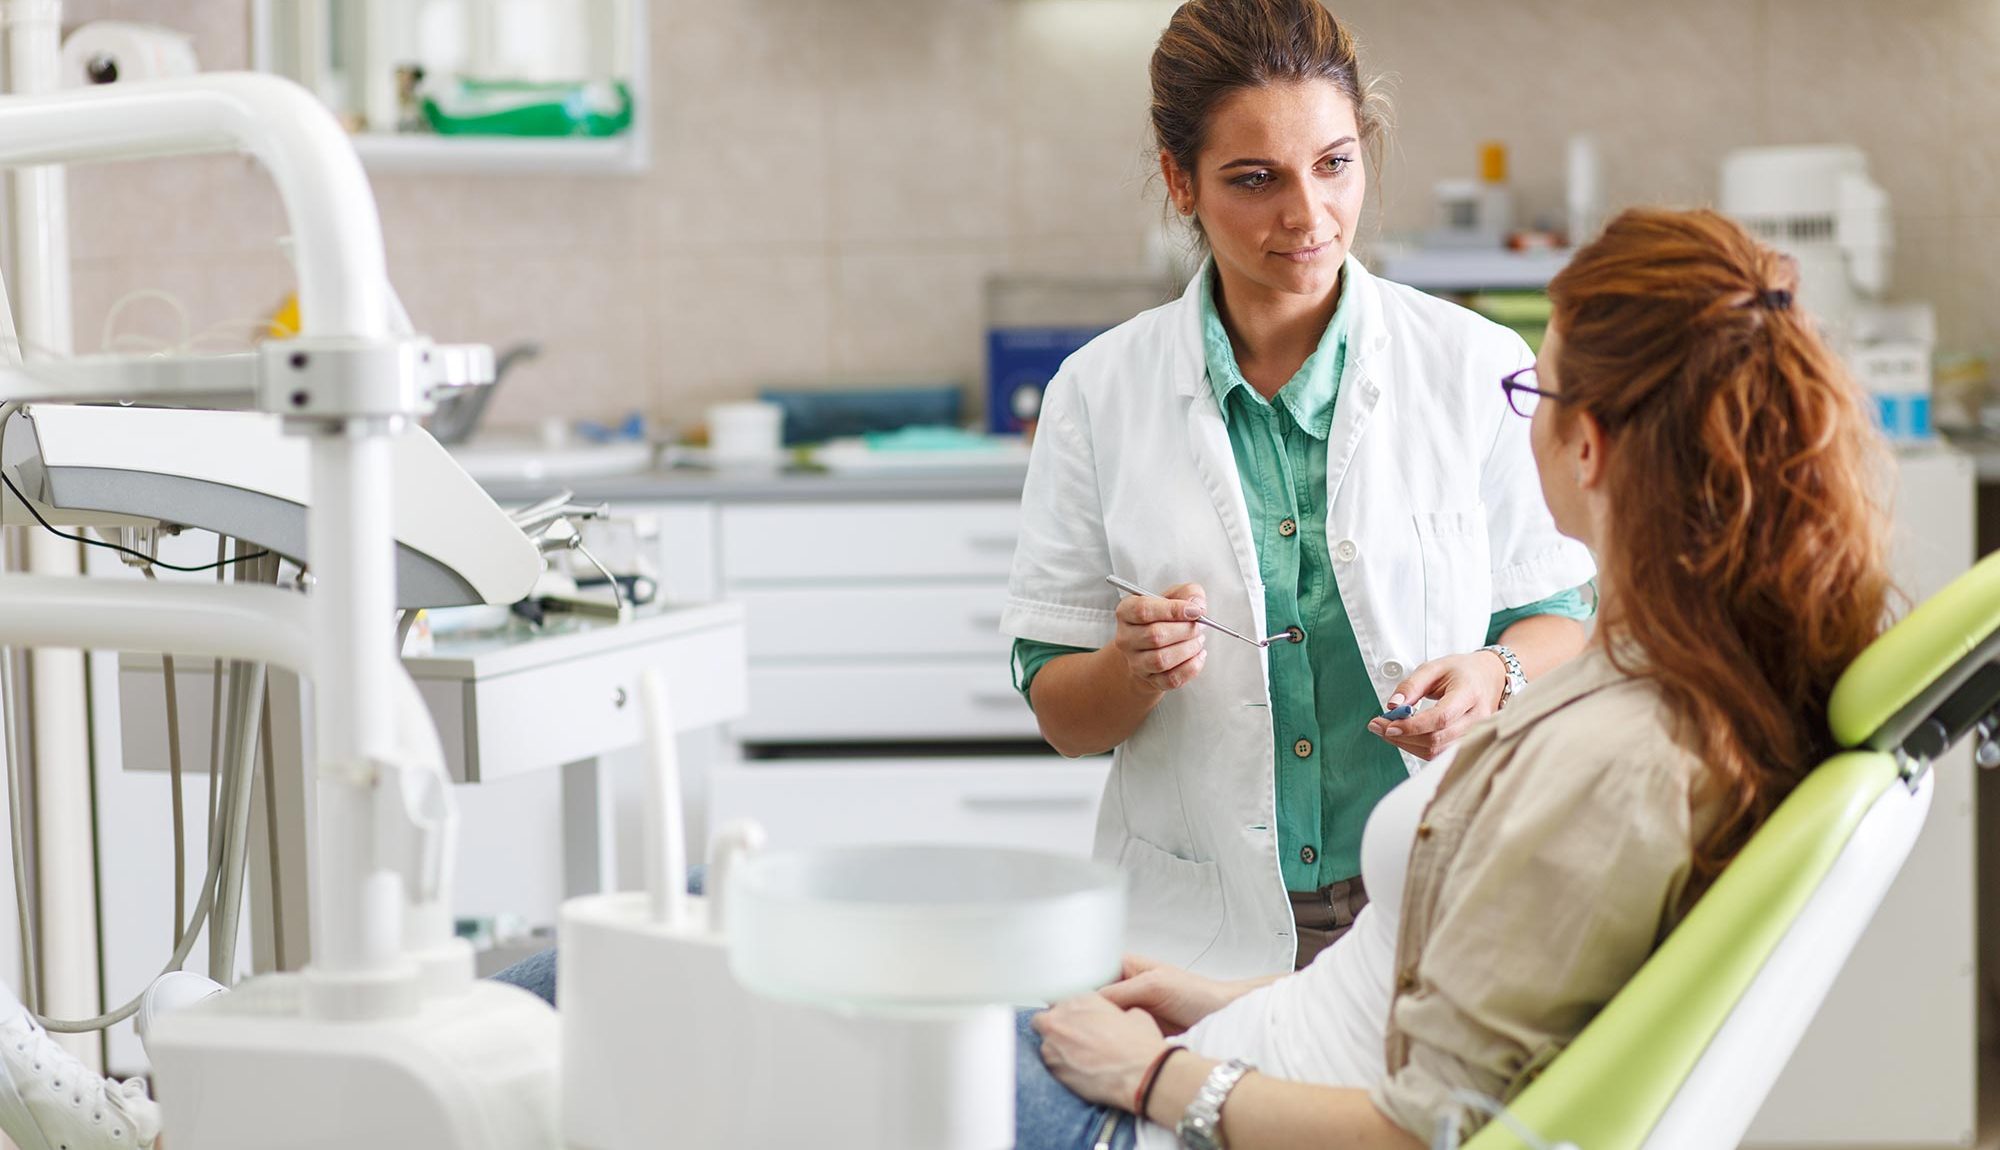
(1684, 1056)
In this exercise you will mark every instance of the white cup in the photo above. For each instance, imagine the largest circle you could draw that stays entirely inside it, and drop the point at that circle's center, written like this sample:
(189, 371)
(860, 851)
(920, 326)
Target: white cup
(746, 432)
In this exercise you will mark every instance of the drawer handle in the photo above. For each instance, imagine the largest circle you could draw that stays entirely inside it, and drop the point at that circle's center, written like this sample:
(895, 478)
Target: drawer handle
(997, 699)
(618, 697)
(991, 542)
(1024, 803)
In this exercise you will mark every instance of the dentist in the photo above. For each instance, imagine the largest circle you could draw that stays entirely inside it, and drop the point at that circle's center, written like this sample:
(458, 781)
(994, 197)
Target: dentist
(1293, 445)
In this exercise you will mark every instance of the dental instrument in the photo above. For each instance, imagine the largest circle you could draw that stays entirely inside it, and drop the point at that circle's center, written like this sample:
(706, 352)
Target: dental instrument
(1395, 713)
(1293, 634)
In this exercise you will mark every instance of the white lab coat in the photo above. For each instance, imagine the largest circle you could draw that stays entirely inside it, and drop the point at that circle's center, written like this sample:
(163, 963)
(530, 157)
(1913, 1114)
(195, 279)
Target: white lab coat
(1435, 520)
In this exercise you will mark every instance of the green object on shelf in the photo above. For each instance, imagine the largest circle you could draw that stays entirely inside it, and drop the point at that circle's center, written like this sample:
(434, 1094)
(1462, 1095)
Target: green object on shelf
(931, 439)
(1526, 312)
(462, 106)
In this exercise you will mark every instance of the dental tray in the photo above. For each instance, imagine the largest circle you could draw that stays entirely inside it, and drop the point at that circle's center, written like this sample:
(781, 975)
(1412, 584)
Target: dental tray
(887, 927)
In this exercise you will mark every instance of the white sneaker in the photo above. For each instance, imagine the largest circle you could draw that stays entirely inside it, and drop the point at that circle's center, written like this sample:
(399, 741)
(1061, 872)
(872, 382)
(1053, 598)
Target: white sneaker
(51, 1101)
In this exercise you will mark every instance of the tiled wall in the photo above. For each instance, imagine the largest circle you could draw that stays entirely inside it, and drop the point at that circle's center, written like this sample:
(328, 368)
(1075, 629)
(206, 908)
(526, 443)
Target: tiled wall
(834, 180)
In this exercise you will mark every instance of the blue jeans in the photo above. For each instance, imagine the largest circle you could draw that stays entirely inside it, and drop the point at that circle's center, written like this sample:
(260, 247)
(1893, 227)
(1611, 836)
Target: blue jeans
(1047, 1114)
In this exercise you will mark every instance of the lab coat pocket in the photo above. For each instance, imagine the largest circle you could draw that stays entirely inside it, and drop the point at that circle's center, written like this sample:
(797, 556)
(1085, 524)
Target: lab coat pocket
(1173, 905)
(1458, 580)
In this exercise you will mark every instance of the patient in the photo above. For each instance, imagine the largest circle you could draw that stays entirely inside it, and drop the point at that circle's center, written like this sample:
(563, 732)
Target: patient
(1692, 429)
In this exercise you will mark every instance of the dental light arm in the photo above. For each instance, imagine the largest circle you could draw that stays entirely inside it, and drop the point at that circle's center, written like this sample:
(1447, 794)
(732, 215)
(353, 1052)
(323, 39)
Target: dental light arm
(348, 385)
(238, 474)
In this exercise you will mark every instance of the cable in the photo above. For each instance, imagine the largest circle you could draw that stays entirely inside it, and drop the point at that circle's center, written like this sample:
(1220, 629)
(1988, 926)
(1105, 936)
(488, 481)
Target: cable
(215, 713)
(108, 334)
(174, 773)
(210, 887)
(271, 835)
(30, 973)
(119, 547)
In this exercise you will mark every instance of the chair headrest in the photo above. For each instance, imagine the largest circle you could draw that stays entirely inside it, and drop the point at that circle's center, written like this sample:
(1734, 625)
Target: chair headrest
(1929, 677)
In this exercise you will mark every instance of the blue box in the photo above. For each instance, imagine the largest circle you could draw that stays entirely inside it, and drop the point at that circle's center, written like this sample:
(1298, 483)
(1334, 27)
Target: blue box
(1020, 362)
(815, 416)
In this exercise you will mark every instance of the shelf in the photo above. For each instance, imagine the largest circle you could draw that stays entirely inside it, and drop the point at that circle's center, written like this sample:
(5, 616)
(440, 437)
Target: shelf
(570, 154)
(1470, 269)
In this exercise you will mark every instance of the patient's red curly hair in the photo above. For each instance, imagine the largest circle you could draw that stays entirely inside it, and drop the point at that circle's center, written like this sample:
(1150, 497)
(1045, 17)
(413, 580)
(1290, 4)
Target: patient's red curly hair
(1748, 482)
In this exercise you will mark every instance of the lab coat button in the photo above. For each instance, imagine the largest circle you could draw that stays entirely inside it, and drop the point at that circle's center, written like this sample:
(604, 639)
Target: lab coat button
(1288, 528)
(1406, 981)
(1392, 670)
(1423, 830)
(1308, 856)
(1303, 748)
(1345, 551)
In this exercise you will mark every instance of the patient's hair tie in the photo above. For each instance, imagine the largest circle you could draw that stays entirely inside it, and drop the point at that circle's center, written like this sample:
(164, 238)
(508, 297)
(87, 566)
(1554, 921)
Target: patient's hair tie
(1777, 299)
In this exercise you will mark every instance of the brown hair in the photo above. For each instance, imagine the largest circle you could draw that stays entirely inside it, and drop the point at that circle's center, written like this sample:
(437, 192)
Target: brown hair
(1212, 48)
(1749, 562)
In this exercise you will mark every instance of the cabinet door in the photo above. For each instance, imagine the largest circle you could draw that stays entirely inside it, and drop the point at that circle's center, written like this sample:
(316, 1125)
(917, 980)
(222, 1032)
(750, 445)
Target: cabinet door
(862, 702)
(863, 623)
(794, 543)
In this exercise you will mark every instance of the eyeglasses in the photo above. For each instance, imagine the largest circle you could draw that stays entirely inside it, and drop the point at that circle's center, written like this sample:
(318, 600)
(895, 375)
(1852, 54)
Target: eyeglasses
(1524, 397)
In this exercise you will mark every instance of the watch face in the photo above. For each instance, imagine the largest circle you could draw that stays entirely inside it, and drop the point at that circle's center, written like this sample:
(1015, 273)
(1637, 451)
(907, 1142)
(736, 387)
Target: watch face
(1198, 1134)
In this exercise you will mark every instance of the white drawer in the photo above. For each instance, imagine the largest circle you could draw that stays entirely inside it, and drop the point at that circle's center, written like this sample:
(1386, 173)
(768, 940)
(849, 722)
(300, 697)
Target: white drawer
(856, 623)
(1031, 803)
(860, 702)
(799, 542)
(504, 707)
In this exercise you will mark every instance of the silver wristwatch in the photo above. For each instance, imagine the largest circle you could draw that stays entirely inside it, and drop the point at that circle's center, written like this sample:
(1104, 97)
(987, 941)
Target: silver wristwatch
(1201, 1126)
(1516, 680)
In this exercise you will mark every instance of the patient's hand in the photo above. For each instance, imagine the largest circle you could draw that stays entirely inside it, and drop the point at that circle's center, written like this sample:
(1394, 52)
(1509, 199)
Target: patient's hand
(1098, 1050)
(1174, 997)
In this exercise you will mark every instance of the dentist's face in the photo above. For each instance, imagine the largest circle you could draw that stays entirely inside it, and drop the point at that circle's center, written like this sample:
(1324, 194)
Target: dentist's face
(1278, 185)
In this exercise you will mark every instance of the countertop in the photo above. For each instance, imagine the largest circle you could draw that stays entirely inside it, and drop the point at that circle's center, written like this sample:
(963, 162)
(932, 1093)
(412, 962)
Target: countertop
(691, 484)
(1984, 448)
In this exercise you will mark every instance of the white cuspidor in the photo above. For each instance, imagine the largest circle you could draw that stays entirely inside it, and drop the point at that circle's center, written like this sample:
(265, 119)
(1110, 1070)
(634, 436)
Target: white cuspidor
(883, 980)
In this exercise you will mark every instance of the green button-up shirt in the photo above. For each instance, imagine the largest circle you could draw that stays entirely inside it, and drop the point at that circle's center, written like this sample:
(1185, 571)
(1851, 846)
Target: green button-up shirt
(1330, 770)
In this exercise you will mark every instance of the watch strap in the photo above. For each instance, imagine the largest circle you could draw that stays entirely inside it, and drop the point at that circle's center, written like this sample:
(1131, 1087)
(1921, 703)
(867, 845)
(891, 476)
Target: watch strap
(1516, 678)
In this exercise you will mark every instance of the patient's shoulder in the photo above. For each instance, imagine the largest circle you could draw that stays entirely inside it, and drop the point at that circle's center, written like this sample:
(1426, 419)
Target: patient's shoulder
(1608, 726)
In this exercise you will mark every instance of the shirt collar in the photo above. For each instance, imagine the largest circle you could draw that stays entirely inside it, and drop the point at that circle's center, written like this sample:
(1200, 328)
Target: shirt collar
(1309, 395)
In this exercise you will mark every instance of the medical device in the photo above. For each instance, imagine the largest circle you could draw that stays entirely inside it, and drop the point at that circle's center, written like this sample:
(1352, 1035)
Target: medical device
(1291, 634)
(1818, 205)
(240, 475)
(387, 1008)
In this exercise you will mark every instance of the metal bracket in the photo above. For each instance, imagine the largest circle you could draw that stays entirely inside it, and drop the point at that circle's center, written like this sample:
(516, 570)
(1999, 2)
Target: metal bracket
(1911, 768)
(341, 379)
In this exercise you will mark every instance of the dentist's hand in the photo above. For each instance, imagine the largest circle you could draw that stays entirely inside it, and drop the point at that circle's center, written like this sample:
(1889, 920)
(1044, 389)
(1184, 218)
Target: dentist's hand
(1157, 637)
(1467, 689)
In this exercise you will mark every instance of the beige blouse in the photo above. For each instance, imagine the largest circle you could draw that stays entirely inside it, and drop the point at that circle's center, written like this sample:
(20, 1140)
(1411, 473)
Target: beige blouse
(1554, 858)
